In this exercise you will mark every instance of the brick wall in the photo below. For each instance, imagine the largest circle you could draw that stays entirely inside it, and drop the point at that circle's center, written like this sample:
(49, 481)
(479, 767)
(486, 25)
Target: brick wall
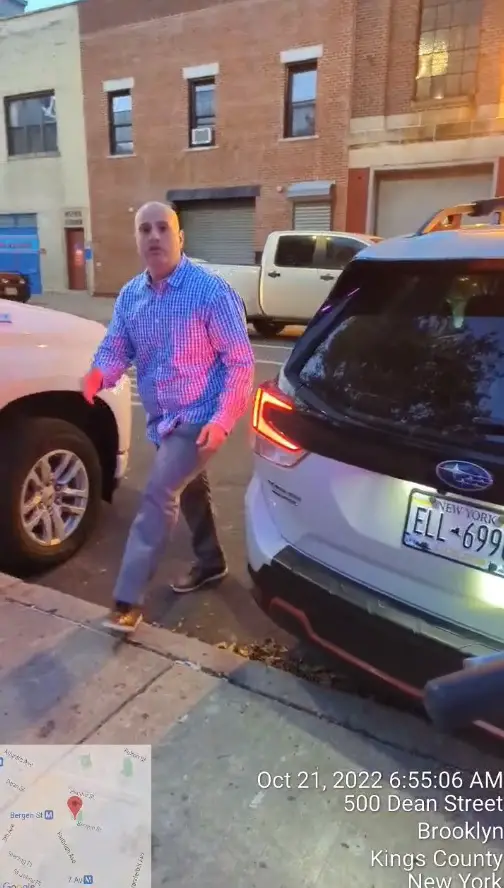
(372, 42)
(491, 71)
(98, 15)
(386, 56)
(245, 38)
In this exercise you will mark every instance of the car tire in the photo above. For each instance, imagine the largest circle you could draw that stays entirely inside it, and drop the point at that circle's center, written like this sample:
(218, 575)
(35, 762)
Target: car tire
(26, 295)
(22, 446)
(268, 328)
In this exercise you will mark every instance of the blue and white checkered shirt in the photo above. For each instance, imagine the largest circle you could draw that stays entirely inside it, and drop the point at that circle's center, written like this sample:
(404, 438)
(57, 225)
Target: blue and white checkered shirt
(188, 338)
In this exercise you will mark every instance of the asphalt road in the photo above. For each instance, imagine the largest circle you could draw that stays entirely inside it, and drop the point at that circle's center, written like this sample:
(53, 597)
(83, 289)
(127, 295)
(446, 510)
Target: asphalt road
(227, 614)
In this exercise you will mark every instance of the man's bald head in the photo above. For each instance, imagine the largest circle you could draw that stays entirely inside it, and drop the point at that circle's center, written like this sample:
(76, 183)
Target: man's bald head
(159, 239)
(156, 209)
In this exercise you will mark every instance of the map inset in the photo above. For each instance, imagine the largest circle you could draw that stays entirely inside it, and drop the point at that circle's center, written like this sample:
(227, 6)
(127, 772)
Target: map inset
(75, 815)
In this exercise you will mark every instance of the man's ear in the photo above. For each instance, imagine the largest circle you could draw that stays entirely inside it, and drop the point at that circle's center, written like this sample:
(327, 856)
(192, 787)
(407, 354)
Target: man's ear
(181, 235)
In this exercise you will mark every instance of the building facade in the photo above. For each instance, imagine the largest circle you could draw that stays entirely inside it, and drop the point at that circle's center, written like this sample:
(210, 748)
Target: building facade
(429, 132)
(364, 115)
(44, 195)
(236, 110)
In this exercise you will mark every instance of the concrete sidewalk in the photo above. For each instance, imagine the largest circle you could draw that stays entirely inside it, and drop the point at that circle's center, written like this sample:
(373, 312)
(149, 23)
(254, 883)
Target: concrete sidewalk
(216, 722)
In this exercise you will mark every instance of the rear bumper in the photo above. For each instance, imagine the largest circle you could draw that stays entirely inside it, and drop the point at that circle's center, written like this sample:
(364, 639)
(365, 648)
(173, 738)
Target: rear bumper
(368, 631)
(23, 293)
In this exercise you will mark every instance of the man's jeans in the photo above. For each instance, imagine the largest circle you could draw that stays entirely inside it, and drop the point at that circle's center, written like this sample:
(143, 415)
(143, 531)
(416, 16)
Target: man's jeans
(177, 481)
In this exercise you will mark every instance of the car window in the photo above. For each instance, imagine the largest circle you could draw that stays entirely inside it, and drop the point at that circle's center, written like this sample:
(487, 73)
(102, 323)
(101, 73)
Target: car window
(295, 251)
(416, 346)
(336, 252)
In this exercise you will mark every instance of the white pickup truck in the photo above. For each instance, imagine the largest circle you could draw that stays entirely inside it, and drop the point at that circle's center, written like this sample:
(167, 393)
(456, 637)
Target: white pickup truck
(297, 272)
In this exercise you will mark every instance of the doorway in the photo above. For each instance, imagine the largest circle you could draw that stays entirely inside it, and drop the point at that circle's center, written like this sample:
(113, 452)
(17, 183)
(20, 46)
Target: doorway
(76, 258)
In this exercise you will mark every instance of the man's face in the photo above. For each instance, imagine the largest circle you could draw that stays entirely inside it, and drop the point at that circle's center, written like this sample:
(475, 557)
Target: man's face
(159, 239)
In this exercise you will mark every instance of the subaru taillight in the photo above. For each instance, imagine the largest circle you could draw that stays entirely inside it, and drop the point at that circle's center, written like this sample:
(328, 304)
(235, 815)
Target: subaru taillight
(269, 442)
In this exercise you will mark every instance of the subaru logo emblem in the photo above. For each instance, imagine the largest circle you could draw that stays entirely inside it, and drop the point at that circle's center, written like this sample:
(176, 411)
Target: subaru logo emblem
(463, 475)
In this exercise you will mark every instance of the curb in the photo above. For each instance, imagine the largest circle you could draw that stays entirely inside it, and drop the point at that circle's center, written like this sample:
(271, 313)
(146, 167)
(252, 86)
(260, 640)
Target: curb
(369, 719)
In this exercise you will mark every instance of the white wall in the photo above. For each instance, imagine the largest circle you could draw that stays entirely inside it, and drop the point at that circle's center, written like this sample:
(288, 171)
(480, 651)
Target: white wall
(41, 51)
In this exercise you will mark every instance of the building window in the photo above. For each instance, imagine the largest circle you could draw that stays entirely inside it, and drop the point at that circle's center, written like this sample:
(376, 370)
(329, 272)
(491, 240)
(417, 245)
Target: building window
(202, 112)
(296, 251)
(18, 220)
(300, 102)
(120, 112)
(338, 251)
(31, 124)
(448, 49)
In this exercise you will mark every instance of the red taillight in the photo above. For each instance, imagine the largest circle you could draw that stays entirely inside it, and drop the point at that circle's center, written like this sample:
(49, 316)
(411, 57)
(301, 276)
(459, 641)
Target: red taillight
(271, 443)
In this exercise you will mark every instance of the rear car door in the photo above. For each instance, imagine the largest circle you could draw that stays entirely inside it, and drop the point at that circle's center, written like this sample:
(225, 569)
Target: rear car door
(334, 252)
(399, 406)
(289, 278)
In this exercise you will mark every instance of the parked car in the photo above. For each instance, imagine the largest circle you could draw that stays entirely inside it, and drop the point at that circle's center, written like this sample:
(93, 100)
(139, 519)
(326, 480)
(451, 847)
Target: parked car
(59, 457)
(296, 274)
(14, 286)
(375, 514)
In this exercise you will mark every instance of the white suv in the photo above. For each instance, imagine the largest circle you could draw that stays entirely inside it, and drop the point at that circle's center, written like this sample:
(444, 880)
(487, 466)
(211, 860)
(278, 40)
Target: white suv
(375, 514)
(59, 457)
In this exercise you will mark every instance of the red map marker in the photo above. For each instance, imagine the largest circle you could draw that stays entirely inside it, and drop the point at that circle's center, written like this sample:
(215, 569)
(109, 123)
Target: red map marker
(75, 804)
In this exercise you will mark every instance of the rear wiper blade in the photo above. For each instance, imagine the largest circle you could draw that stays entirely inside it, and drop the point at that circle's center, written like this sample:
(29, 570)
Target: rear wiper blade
(314, 406)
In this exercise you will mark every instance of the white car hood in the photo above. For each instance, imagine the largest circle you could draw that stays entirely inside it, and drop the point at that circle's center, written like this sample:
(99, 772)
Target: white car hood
(44, 326)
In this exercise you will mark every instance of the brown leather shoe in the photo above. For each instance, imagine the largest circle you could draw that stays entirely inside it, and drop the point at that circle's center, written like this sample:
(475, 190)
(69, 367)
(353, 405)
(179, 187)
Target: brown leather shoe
(123, 618)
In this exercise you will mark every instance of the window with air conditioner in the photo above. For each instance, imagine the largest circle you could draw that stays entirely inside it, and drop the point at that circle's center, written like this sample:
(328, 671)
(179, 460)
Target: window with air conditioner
(202, 113)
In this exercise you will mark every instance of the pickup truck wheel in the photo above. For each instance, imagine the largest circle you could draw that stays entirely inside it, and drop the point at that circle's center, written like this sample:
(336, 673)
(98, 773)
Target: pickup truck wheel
(268, 328)
(51, 482)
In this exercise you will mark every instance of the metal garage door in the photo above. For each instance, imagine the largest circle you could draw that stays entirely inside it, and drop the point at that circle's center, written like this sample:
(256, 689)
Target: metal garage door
(20, 248)
(220, 232)
(403, 204)
(310, 217)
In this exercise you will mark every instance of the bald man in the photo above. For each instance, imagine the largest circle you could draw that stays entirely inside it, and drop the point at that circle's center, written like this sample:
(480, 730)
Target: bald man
(185, 330)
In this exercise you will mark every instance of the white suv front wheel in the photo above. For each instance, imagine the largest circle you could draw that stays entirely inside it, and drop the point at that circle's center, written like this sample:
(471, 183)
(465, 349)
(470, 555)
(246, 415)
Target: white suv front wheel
(54, 497)
(51, 481)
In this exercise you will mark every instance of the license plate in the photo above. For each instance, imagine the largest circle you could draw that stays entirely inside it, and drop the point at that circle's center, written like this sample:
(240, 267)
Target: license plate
(456, 529)
(11, 291)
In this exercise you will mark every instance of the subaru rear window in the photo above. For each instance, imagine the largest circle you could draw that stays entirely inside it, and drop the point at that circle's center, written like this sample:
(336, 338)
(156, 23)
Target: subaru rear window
(415, 346)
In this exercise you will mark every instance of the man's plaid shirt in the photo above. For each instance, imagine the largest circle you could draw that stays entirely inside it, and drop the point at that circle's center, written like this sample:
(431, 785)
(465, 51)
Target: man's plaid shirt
(187, 337)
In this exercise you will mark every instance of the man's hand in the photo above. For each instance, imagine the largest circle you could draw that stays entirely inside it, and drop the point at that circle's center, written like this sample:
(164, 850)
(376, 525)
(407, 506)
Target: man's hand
(91, 384)
(211, 437)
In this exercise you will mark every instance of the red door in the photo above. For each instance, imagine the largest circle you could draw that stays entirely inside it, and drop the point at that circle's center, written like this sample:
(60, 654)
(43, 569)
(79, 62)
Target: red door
(76, 258)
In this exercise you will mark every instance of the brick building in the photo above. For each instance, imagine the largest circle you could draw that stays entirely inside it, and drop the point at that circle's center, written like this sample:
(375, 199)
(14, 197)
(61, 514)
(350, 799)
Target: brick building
(254, 115)
(427, 125)
(204, 91)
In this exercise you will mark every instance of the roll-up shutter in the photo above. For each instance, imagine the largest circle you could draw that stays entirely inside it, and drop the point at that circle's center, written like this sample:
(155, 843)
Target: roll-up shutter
(220, 232)
(404, 203)
(312, 216)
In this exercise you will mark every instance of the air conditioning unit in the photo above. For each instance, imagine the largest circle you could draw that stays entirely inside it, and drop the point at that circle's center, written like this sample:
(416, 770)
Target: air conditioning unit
(202, 135)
